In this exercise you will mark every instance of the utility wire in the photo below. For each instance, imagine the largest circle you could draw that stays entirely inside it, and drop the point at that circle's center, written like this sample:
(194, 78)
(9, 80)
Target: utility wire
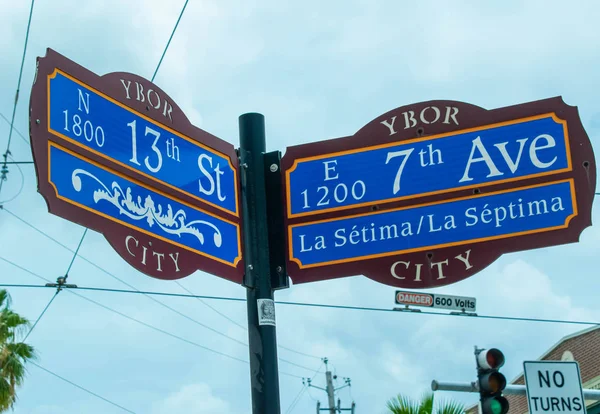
(25, 140)
(147, 325)
(169, 42)
(155, 72)
(302, 391)
(12, 122)
(22, 182)
(154, 299)
(75, 254)
(295, 401)
(81, 388)
(119, 279)
(320, 305)
(243, 327)
(239, 325)
(41, 314)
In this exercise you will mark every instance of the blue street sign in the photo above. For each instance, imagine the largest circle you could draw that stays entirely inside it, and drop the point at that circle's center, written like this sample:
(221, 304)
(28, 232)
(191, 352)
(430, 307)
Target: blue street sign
(87, 185)
(98, 123)
(509, 213)
(478, 157)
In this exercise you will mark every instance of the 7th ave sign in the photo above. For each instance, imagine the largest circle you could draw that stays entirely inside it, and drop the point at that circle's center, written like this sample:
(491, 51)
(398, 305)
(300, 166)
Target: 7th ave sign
(432, 193)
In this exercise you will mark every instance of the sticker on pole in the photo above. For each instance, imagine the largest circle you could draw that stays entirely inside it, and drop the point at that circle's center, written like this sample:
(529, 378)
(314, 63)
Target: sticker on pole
(553, 386)
(266, 312)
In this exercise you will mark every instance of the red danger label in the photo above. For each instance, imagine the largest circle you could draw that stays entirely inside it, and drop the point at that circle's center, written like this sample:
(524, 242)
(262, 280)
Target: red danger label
(420, 299)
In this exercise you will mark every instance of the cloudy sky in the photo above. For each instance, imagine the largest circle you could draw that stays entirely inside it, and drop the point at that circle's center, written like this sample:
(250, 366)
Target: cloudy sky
(316, 70)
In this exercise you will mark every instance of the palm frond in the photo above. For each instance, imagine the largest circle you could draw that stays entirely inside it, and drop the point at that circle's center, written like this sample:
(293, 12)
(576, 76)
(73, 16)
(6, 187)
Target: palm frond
(13, 355)
(6, 400)
(21, 350)
(450, 407)
(426, 405)
(403, 405)
(5, 299)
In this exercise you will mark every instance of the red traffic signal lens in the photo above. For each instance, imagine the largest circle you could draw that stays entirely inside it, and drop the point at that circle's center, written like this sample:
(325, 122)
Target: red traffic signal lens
(495, 358)
(490, 358)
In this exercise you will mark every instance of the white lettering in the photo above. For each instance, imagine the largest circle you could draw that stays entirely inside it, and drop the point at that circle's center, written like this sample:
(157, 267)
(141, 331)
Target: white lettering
(328, 168)
(485, 157)
(150, 91)
(390, 126)
(140, 92)
(451, 115)
(206, 174)
(436, 111)
(550, 142)
(513, 165)
(409, 119)
(126, 86)
(175, 259)
(393, 269)
(439, 268)
(465, 259)
(127, 239)
(85, 101)
(302, 247)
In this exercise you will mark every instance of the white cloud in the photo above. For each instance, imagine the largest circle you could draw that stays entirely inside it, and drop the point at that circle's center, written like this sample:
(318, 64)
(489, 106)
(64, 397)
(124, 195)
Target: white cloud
(192, 399)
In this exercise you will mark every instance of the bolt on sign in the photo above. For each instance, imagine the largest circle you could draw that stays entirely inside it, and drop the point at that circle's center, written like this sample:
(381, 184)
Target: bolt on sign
(115, 153)
(429, 194)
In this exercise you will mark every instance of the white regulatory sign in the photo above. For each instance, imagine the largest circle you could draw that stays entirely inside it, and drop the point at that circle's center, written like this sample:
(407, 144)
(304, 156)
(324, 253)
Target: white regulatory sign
(553, 386)
(436, 301)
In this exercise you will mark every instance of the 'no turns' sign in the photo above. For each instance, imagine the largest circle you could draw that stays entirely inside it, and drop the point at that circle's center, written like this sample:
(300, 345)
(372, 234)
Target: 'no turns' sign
(553, 387)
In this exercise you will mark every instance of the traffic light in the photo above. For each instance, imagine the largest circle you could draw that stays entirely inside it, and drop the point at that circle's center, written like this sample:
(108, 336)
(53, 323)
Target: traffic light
(491, 381)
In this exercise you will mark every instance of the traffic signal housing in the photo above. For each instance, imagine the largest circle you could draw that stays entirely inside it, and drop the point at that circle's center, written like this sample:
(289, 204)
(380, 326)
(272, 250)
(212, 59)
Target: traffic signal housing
(491, 381)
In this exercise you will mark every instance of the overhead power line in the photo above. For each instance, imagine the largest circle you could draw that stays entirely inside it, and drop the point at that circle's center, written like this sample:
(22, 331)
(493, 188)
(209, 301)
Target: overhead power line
(158, 301)
(4, 170)
(147, 325)
(153, 76)
(81, 388)
(169, 42)
(320, 305)
(22, 181)
(25, 140)
(303, 390)
(41, 314)
(243, 327)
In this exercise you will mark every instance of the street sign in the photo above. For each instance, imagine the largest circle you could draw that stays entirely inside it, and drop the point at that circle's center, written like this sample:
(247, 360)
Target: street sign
(554, 386)
(471, 158)
(430, 300)
(114, 153)
(431, 193)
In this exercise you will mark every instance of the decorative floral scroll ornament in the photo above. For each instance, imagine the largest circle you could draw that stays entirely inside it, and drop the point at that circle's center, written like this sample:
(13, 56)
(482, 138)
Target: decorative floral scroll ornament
(169, 222)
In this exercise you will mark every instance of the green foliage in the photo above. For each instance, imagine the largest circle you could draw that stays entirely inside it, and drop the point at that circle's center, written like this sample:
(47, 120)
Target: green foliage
(13, 354)
(402, 404)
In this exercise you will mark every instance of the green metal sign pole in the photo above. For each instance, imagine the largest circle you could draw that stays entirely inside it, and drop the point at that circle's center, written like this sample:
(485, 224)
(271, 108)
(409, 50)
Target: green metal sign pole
(259, 172)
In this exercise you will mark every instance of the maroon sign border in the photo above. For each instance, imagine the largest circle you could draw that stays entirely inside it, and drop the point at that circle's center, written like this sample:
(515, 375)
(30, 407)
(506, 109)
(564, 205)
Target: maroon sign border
(110, 85)
(481, 254)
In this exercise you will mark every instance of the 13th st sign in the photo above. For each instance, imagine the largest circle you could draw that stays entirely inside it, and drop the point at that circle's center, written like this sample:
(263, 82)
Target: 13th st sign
(117, 155)
(431, 193)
